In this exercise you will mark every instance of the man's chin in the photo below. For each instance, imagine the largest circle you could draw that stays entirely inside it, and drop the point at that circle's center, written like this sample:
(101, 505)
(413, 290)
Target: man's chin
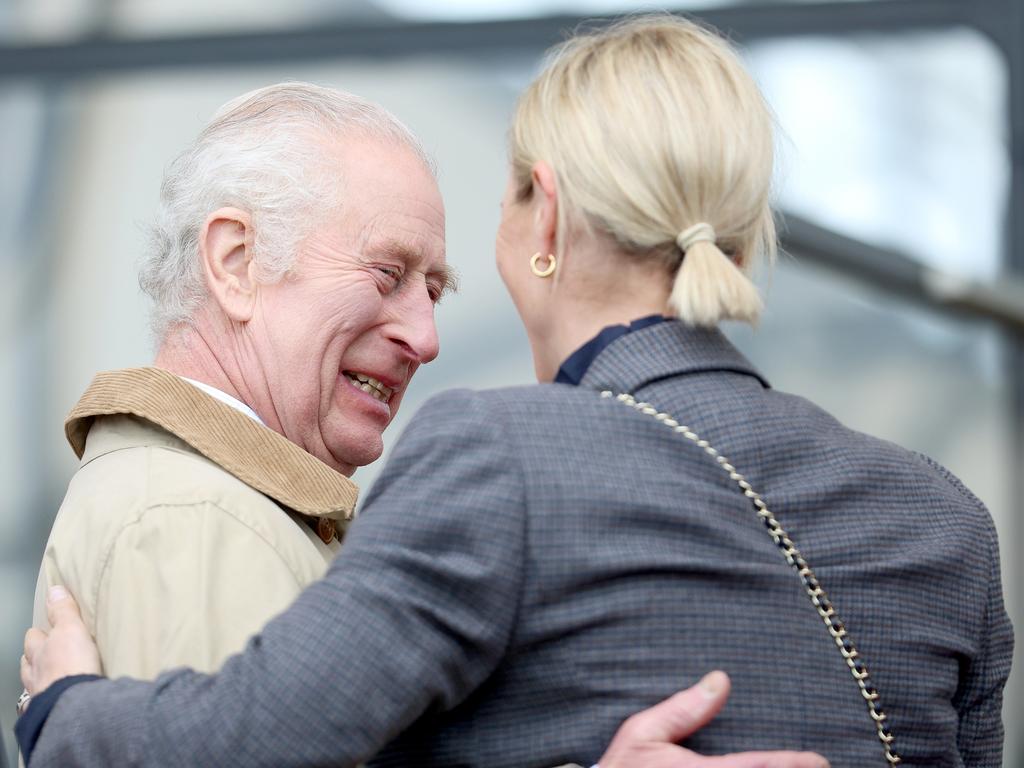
(348, 455)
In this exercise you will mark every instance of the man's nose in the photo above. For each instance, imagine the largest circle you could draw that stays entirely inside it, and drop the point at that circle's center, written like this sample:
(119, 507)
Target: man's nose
(416, 331)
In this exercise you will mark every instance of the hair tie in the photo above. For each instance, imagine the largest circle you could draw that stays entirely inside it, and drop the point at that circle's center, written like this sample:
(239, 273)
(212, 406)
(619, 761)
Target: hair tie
(698, 233)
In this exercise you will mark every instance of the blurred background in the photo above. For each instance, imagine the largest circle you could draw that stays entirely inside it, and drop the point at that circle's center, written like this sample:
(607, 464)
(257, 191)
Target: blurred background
(899, 305)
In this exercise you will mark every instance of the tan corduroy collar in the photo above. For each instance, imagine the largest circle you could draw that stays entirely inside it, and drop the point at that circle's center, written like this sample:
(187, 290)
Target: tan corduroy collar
(256, 455)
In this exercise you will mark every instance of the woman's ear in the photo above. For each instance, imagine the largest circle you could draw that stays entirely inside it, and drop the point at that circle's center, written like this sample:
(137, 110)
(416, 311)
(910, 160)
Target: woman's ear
(225, 248)
(545, 202)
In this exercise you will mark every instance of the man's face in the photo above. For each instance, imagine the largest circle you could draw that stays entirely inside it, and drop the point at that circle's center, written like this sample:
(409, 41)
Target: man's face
(339, 340)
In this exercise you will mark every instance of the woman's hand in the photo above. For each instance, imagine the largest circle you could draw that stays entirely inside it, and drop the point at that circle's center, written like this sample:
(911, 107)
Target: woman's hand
(649, 738)
(68, 649)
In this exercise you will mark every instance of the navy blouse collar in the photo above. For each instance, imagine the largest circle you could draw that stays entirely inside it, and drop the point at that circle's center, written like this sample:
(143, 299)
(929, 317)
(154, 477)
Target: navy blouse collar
(575, 366)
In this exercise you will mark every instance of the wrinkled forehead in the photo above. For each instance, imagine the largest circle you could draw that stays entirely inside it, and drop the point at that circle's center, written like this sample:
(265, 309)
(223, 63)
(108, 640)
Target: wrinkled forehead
(397, 222)
(377, 160)
(381, 179)
(386, 204)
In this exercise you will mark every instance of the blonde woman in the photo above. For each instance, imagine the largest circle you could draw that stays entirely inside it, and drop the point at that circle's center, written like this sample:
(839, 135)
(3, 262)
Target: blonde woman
(537, 563)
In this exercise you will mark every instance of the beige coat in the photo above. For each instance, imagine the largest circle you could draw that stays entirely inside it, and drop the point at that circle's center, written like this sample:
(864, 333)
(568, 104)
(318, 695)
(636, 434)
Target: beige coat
(187, 526)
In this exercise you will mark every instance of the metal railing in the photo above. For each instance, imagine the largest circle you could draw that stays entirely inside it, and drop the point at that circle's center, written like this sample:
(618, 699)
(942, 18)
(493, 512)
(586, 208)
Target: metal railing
(1001, 302)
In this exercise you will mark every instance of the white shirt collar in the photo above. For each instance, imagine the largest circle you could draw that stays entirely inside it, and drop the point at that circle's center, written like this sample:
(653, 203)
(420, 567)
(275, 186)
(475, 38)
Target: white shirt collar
(224, 397)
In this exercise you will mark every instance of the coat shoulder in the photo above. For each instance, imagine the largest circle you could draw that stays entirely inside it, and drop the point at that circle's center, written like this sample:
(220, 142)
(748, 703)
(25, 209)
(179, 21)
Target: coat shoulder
(160, 484)
(128, 475)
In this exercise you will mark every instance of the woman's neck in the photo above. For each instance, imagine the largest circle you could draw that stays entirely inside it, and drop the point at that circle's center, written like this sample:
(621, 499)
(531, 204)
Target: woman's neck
(577, 322)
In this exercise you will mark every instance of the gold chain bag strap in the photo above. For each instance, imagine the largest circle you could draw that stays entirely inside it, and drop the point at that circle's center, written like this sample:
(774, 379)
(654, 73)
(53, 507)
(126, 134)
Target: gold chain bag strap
(814, 589)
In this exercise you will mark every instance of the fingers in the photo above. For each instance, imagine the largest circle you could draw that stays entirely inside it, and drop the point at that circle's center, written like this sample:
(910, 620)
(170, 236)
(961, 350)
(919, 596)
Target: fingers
(764, 760)
(26, 669)
(61, 606)
(795, 760)
(649, 738)
(34, 639)
(679, 716)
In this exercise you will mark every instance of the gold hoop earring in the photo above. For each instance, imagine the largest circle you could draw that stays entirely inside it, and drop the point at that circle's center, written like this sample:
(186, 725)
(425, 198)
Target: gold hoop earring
(548, 270)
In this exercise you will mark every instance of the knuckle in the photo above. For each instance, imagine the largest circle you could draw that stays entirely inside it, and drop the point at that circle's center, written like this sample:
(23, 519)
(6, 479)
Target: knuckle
(633, 728)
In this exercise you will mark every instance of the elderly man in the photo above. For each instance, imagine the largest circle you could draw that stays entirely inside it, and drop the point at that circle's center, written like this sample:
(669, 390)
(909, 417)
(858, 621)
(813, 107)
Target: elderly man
(211, 484)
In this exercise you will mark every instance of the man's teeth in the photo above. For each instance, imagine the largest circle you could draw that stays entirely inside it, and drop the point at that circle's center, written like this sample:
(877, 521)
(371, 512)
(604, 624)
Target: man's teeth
(370, 386)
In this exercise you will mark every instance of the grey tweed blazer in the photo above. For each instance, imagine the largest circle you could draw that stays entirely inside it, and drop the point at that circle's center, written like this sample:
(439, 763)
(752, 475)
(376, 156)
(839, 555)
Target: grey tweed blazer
(535, 564)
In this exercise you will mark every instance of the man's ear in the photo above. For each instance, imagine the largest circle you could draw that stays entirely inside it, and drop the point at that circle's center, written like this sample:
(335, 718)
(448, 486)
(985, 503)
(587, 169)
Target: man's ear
(225, 247)
(545, 202)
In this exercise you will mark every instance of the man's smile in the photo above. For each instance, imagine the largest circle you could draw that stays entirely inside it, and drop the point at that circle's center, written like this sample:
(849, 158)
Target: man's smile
(369, 385)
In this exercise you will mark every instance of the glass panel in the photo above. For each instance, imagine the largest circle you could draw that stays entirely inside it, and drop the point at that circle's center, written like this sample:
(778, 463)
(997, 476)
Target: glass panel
(23, 21)
(25, 115)
(898, 141)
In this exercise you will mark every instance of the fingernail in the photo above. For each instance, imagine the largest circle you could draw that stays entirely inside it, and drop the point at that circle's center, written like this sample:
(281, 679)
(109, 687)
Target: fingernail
(712, 683)
(57, 593)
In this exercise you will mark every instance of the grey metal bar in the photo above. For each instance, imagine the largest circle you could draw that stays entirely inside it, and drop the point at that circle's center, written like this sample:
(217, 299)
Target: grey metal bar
(105, 55)
(1001, 302)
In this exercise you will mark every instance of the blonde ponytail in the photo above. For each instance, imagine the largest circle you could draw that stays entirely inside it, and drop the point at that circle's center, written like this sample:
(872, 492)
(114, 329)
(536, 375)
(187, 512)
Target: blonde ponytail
(651, 123)
(709, 288)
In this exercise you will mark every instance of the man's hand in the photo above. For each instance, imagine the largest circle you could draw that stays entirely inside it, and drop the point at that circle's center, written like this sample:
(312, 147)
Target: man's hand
(646, 739)
(649, 738)
(67, 650)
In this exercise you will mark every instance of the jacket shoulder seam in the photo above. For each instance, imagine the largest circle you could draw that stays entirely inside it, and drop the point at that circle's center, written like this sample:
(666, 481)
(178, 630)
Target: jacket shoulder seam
(138, 519)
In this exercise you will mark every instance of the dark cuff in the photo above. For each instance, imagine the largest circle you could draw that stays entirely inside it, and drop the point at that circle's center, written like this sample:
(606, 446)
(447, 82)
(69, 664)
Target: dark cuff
(30, 724)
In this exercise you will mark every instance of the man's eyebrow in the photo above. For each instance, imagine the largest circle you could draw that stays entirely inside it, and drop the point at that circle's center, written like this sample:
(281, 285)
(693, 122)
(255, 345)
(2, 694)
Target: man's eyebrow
(447, 274)
(449, 280)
